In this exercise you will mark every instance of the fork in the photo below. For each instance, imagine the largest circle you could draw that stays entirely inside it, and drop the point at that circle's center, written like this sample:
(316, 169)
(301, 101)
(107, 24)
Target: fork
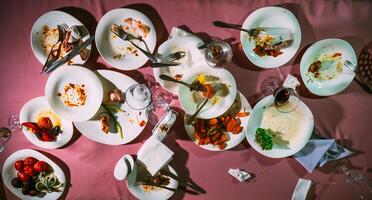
(353, 67)
(62, 29)
(168, 60)
(119, 31)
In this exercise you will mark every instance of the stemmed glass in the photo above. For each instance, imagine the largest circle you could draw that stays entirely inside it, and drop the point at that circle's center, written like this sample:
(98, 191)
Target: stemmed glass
(218, 53)
(6, 133)
(361, 185)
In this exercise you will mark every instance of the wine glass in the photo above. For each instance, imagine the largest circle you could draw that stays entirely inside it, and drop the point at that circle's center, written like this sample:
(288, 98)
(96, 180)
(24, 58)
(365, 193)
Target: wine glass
(361, 185)
(6, 133)
(138, 96)
(218, 53)
(157, 92)
(286, 99)
(156, 111)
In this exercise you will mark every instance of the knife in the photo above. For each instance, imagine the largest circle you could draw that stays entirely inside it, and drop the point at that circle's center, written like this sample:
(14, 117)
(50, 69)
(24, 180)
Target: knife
(69, 56)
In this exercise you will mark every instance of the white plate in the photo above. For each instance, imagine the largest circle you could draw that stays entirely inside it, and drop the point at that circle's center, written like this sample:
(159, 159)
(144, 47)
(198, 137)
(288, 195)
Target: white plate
(106, 42)
(77, 75)
(138, 192)
(9, 172)
(194, 57)
(296, 143)
(271, 17)
(30, 112)
(128, 121)
(209, 110)
(52, 19)
(234, 139)
(341, 80)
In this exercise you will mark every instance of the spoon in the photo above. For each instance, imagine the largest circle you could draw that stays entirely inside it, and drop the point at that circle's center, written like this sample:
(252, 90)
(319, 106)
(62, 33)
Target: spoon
(124, 167)
(197, 87)
(193, 117)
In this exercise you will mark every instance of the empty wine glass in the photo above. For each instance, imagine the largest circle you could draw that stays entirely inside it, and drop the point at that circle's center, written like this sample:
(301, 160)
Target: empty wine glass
(156, 110)
(361, 185)
(286, 99)
(138, 96)
(157, 92)
(6, 133)
(218, 53)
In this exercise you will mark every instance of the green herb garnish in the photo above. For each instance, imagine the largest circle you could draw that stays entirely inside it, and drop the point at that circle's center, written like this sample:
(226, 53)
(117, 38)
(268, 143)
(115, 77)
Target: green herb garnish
(111, 111)
(264, 138)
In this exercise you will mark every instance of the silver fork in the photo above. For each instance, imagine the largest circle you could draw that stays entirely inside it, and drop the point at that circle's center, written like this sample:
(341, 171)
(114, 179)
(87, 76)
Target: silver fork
(119, 31)
(353, 67)
(62, 29)
(170, 59)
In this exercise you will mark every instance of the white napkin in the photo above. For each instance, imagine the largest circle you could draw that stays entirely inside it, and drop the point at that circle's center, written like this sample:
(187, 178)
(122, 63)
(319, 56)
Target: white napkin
(291, 82)
(241, 175)
(177, 32)
(163, 127)
(301, 190)
(154, 155)
(319, 152)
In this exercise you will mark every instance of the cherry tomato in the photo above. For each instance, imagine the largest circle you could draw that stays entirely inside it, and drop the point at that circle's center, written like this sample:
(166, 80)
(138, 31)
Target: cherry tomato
(41, 166)
(28, 169)
(22, 176)
(30, 161)
(19, 165)
(45, 122)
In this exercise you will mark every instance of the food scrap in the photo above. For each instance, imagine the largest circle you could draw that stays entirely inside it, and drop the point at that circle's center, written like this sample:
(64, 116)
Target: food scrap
(44, 129)
(105, 123)
(136, 26)
(73, 95)
(329, 69)
(116, 96)
(214, 131)
(264, 48)
(158, 179)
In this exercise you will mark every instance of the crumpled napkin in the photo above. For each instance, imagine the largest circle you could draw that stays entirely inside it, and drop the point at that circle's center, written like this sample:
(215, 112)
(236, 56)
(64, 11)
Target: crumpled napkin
(177, 32)
(241, 175)
(301, 190)
(154, 155)
(319, 152)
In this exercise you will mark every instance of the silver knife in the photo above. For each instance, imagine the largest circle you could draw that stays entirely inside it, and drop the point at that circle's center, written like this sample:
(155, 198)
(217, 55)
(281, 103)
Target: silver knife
(69, 56)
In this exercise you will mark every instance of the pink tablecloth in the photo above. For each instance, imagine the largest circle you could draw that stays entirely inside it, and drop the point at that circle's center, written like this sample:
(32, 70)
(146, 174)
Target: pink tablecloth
(89, 165)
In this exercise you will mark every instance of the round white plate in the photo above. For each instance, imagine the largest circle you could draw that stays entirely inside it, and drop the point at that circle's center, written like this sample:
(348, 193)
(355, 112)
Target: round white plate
(129, 120)
(328, 47)
(234, 139)
(194, 57)
(76, 75)
(52, 19)
(138, 192)
(271, 17)
(30, 112)
(107, 43)
(209, 110)
(9, 172)
(296, 143)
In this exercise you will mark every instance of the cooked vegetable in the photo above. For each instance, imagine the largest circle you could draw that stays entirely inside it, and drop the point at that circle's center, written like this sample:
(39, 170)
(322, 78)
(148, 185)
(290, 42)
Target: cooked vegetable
(48, 183)
(265, 138)
(110, 111)
(210, 91)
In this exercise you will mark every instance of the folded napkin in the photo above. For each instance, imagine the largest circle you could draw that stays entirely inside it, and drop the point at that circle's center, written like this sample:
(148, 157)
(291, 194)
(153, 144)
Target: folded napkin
(154, 155)
(241, 175)
(319, 152)
(301, 190)
(163, 127)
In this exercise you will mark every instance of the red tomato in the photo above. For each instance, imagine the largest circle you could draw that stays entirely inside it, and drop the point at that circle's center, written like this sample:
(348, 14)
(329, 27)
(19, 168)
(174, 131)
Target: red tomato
(28, 169)
(45, 136)
(19, 165)
(30, 161)
(22, 176)
(41, 166)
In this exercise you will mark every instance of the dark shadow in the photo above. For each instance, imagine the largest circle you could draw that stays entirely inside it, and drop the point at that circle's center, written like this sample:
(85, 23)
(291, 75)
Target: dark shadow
(2, 189)
(154, 16)
(297, 167)
(64, 168)
(75, 136)
(266, 161)
(90, 22)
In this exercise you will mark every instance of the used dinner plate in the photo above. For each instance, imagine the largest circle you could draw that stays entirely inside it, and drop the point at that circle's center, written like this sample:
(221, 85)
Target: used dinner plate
(39, 107)
(118, 53)
(193, 58)
(74, 93)
(216, 106)
(9, 172)
(42, 41)
(130, 120)
(294, 128)
(158, 193)
(333, 76)
(241, 105)
(271, 17)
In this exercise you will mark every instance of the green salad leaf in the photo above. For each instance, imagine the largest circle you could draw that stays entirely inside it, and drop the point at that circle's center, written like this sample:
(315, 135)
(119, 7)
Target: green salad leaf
(264, 138)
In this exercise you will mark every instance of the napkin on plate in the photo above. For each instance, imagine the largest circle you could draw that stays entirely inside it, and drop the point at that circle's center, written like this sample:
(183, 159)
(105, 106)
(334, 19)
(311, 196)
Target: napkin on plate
(177, 32)
(301, 190)
(154, 155)
(319, 152)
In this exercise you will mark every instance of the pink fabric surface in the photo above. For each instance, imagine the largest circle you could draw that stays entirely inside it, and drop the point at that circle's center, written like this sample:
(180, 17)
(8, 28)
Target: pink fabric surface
(89, 165)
